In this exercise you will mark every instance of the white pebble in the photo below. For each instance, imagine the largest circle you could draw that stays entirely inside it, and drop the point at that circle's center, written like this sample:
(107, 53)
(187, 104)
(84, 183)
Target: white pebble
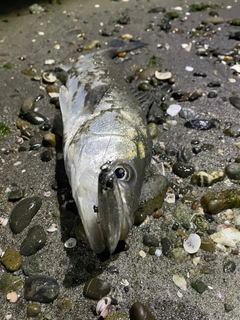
(142, 254)
(124, 282)
(49, 61)
(158, 252)
(70, 243)
(179, 294)
(192, 243)
(173, 109)
(180, 282)
(163, 75)
(188, 68)
(170, 198)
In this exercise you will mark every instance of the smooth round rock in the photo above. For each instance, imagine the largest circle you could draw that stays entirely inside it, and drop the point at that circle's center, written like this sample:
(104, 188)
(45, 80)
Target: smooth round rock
(35, 240)
(229, 266)
(23, 213)
(214, 84)
(213, 20)
(49, 140)
(182, 170)
(150, 240)
(212, 94)
(16, 195)
(41, 288)
(166, 246)
(33, 117)
(233, 171)
(9, 282)
(33, 310)
(11, 260)
(233, 131)
(235, 101)
(139, 311)
(187, 113)
(96, 289)
(46, 156)
(200, 124)
(27, 104)
(153, 130)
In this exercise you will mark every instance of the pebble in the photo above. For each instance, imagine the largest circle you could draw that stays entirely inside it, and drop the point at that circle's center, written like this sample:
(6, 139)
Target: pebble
(233, 131)
(208, 245)
(173, 109)
(16, 195)
(96, 289)
(167, 246)
(150, 240)
(200, 74)
(212, 94)
(32, 116)
(235, 101)
(200, 124)
(33, 310)
(215, 202)
(23, 213)
(153, 130)
(41, 288)
(49, 140)
(233, 171)
(36, 9)
(163, 75)
(139, 311)
(182, 170)
(25, 128)
(32, 266)
(36, 141)
(234, 35)
(187, 113)
(203, 179)
(70, 243)
(199, 286)
(179, 255)
(27, 104)
(9, 282)
(213, 20)
(180, 281)
(184, 155)
(229, 266)
(35, 241)
(214, 84)
(46, 155)
(11, 260)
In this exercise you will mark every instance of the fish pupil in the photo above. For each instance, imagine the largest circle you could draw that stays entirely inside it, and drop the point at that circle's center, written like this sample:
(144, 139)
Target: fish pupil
(120, 173)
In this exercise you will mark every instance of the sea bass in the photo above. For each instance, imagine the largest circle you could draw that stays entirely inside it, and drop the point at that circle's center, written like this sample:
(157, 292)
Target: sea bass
(106, 148)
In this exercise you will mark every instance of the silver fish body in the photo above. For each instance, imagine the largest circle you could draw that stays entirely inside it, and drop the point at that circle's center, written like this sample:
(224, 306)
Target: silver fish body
(106, 148)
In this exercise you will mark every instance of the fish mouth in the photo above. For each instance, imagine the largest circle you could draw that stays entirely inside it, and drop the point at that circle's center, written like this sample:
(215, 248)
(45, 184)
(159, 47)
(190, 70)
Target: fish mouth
(114, 215)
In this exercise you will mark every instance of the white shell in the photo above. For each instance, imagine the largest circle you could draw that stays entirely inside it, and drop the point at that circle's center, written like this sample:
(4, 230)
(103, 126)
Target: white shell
(53, 228)
(49, 77)
(192, 243)
(228, 237)
(163, 75)
(236, 67)
(70, 243)
(180, 282)
(124, 282)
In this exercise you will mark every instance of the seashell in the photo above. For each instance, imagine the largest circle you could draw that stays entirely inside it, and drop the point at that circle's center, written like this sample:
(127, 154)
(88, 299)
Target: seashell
(163, 75)
(180, 282)
(53, 228)
(192, 243)
(70, 243)
(3, 221)
(49, 77)
(12, 297)
(103, 306)
(228, 237)
(124, 282)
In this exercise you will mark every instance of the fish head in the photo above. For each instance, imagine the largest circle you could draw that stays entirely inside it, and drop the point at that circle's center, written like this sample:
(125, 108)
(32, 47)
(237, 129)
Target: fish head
(119, 188)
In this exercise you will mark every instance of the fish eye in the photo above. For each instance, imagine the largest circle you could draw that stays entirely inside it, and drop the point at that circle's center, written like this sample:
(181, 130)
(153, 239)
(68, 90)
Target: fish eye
(121, 173)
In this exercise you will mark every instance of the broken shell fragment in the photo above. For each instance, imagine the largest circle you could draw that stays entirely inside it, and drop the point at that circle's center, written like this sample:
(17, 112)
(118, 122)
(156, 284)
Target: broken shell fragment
(180, 282)
(163, 75)
(70, 243)
(192, 243)
(49, 77)
(228, 237)
(12, 297)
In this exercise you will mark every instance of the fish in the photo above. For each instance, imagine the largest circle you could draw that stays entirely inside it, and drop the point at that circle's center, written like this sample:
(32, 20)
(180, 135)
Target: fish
(106, 147)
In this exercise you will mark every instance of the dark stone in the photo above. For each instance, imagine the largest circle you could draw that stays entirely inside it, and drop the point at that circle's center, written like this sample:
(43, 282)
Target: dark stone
(196, 150)
(233, 171)
(139, 311)
(32, 116)
(96, 289)
(16, 195)
(233, 131)
(182, 170)
(41, 288)
(200, 74)
(229, 267)
(184, 155)
(33, 310)
(23, 213)
(32, 266)
(166, 246)
(234, 35)
(46, 156)
(194, 96)
(150, 240)
(214, 84)
(199, 286)
(200, 124)
(212, 94)
(35, 240)
(235, 101)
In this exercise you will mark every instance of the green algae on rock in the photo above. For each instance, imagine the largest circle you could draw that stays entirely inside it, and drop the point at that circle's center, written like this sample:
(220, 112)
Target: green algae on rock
(9, 282)
(215, 202)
